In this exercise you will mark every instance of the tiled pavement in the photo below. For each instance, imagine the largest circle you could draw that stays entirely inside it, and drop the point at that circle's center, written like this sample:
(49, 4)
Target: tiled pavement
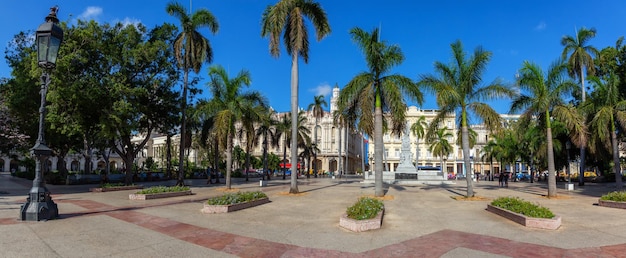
(420, 221)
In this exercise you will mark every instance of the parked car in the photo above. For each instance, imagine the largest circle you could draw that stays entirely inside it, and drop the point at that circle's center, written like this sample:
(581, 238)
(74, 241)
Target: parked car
(522, 176)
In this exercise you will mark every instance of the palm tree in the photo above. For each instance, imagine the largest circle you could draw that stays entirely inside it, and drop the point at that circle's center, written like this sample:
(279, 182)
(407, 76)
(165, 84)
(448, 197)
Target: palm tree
(580, 59)
(417, 128)
(248, 120)
(372, 92)
(302, 135)
(609, 110)
(440, 146)
(318, 112)
(284, 128)
(191, 50)
(266, 132)
(288, 17)
(458, 90)
(544, 102)
(229, 105)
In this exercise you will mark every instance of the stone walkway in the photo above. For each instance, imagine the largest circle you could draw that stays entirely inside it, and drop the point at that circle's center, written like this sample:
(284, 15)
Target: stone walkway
(420, 221)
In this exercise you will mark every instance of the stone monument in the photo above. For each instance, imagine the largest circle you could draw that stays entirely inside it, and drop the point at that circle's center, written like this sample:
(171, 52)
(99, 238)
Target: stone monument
(406, 166)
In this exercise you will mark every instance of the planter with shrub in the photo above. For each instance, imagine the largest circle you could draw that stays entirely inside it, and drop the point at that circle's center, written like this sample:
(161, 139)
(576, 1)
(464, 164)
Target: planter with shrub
(114, 187)
(156, 192)
(613, 200)
(524, 213)
(366, 214)
(234, 201)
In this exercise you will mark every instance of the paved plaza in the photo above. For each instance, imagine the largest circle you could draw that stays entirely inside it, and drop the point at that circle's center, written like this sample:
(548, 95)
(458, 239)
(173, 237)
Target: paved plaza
(419, 221)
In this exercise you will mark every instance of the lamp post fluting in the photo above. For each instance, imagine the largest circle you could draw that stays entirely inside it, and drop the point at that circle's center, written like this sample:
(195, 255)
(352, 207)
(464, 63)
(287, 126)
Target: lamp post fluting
(39, 204)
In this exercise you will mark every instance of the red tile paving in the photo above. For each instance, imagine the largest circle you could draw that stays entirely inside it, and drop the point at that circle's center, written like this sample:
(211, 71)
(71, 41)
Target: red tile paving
(447, 240)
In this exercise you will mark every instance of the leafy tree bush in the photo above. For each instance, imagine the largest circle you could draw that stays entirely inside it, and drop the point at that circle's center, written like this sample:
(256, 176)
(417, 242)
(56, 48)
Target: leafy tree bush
(365, 208)
(526, 208)
(163, 189)
(617, 196)
(234, 198)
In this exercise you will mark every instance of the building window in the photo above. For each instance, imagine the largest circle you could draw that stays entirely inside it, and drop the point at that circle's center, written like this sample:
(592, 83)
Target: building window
(396, 153)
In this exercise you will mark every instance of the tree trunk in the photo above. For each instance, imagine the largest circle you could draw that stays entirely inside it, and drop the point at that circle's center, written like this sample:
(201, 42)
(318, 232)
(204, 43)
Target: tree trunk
(581, 174)
(616, 163)
(551, 173)
(378, 149)
(466, 156)
(181, 159)
(247, 166)
(87, 156)
(294, 123)
(417, 152)
(314, 149)
(347, 163)
(229, 159)
(339, 157)
(285, 158)
(265, 172)
(168, 157)
(362, 156)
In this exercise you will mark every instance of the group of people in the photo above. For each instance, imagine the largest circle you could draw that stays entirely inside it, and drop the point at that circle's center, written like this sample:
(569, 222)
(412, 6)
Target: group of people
(503, 179)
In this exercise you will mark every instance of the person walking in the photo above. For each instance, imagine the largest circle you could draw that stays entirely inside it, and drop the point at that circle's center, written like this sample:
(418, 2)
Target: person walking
(500, 179)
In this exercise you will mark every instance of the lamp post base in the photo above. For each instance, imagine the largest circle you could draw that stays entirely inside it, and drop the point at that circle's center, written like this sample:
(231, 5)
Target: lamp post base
(39, 206)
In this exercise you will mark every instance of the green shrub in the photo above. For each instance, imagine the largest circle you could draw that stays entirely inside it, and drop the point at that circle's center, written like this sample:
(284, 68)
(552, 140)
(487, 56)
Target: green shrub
(163, 189)
(525, 208)
(111, 185)
(234, 198)
(615, 196)
(365, 208)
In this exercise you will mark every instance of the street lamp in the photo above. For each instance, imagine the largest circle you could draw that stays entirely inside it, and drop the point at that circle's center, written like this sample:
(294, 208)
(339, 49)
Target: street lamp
(39, 205)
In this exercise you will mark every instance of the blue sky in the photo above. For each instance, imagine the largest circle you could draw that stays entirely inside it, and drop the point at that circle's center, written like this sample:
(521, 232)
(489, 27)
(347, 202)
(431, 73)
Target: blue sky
(513, 31)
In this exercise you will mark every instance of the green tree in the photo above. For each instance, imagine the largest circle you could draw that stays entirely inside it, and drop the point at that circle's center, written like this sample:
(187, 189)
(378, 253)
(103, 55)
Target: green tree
(458, 90)
(191, 50)
(440, 146)
(288, 17)
(317, 108)
(229, 104)
(372, 92)
(609, 111)
(417, 128)
(544, 100)
(580, 60)
(266, 132)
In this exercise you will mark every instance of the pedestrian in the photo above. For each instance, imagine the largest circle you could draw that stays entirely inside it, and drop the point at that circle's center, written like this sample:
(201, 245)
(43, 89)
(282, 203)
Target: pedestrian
(506, 179)
(500, 179)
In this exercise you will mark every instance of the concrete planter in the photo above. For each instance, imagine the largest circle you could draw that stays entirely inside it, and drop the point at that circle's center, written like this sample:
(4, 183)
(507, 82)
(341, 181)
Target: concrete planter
(157, 195)
(553, 223)
(116, 188)
(232, 207)
(612, 204)
(361, 225)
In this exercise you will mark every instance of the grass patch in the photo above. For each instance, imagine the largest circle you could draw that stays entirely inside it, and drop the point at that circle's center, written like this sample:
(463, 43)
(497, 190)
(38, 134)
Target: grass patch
(163, 189)
(234, 198)
(526, 208)
(617, 196)
(365, 208)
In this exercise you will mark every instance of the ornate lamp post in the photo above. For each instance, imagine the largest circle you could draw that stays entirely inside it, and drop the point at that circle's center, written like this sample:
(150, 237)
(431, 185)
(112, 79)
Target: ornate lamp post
(39, 205)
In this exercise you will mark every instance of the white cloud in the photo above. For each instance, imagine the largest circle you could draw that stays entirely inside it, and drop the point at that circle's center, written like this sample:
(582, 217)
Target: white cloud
(91, 13)
(128, 21)
(322, 89)
(541, 26)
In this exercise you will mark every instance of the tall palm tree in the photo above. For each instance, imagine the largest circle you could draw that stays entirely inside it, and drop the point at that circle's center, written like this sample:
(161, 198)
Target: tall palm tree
(440, 146)
(417, 128)
(266, 133)
(379, 91)
(580, 59)
(317, 108)
(339, 122)
(544, 100)
(610, 111)
(288, 17)
(191, 49)
(230, 104)
(458, 89)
